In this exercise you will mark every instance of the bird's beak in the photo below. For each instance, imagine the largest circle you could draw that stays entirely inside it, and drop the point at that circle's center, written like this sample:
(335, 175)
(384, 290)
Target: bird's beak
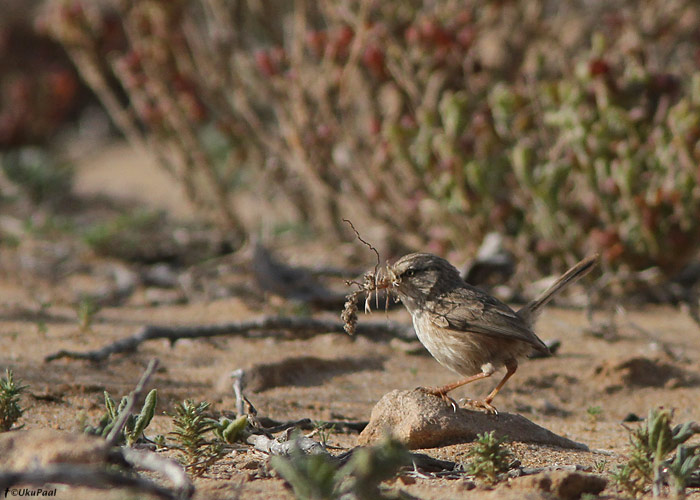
(383, 283)
(387, 279)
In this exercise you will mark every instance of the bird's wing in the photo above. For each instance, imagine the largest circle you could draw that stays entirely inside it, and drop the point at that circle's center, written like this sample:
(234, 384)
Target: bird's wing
(484, 315)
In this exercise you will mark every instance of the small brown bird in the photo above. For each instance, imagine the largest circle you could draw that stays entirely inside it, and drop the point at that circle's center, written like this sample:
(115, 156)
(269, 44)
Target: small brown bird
(464, 328)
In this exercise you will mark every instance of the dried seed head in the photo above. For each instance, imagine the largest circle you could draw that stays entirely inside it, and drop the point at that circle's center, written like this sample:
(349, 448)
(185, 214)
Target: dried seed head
(371, 283)
(349, 314)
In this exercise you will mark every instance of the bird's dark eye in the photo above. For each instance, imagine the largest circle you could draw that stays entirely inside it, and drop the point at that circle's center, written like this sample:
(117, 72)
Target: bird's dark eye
(410, 273)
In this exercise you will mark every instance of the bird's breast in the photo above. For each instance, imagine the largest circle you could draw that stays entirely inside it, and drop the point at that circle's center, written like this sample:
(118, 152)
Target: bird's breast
(458, 351)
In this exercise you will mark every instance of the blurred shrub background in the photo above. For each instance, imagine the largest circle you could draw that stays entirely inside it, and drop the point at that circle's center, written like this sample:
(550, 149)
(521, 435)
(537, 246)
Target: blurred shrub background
(39, 88)
(569, 127)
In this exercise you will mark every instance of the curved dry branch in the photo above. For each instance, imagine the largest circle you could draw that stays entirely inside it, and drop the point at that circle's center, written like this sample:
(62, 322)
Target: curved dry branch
(168, 467)
(91, 477)
(285, 326)
(131, 400)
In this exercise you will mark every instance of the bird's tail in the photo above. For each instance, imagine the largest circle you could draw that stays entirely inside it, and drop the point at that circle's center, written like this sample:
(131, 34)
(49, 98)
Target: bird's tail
(531, 310)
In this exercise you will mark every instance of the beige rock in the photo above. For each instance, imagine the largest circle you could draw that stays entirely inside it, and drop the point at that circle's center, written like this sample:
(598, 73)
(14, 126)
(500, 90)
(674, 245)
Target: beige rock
(421, 420)
(20, 450)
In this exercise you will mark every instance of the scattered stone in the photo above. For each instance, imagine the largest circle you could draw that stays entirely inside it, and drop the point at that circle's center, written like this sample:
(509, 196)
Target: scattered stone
(406, 480)
(422, 420)
(20, 450)
(563, 485)
(104, 285)
(125, 279)
(160, 275)
(251, 464)
(492, 265)
(642, 372)
(466, 484)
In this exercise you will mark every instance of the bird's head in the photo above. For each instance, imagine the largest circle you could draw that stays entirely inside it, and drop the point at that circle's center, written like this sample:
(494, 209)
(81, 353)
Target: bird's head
(417, 276)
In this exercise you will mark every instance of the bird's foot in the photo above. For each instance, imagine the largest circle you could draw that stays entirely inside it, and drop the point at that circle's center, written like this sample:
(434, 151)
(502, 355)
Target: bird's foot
(443, 395)
(480, 405)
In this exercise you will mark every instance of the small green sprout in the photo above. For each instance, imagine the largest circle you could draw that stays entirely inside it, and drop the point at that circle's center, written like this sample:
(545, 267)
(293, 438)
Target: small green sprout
(135, 424)
(191, 424)
(229, 431)
(489, 458)
(10, 392)
(685, 463)
(324, 431)
(311, 476)
(651, 445)
(594, 413)
(85, 310)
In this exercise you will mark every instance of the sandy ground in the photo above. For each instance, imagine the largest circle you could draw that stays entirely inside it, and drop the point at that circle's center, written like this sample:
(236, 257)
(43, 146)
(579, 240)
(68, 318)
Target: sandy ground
(555, 392)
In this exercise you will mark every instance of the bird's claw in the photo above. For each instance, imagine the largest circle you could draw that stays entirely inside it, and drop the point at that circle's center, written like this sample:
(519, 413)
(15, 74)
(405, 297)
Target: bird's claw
(481, 405)
(443, 395)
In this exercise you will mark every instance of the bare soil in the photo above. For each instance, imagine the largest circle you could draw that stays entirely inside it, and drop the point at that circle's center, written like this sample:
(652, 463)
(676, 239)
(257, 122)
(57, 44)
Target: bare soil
(654, 362)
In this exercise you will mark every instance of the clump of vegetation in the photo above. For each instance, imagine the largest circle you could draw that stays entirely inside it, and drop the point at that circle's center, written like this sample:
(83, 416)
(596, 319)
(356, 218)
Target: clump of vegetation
(600, 466)
(461, 113)
(38, 173)
(44, 306)
(594, 413)
(319, 477)
(39, 89)
(85, 310)
(311, 476)
(650, 446)
(324, 431)
(488, 457)
(230, 431)
(192, 424)
(135, 424)
(10, 393)
(123, 235)
(685, 465)
(368, 467)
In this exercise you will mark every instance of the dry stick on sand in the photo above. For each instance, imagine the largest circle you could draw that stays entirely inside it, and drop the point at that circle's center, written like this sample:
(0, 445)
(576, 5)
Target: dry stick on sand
(168, 467)
(87, 476)
(262, 440)
(308, 446)
(299, 328)
(237, 385)
(271, 325)
(276, 446)
(273, 447)
(131, 400)
(271, 426)
(306, 424)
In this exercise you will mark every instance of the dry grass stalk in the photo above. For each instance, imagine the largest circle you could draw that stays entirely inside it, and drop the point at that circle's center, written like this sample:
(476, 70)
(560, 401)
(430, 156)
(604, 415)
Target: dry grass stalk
(371, 283)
